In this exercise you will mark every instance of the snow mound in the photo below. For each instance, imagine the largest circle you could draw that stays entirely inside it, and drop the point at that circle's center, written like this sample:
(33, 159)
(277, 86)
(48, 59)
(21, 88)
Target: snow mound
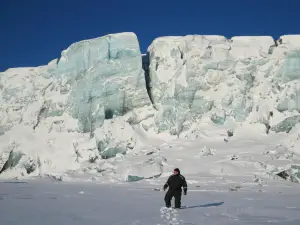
(115, 136)
(149, 169)
(206, 152)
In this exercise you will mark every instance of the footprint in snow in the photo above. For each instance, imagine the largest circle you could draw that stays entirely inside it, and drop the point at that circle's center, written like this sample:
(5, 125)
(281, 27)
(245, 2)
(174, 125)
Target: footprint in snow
(170, 216)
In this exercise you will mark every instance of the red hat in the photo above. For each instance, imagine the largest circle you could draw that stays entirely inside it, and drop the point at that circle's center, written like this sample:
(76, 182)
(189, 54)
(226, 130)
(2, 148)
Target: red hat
(177, 170)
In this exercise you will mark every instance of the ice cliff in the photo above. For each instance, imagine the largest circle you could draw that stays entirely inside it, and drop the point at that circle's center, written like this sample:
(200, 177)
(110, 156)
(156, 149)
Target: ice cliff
(83, 109)
(54, 116)
(244, 79)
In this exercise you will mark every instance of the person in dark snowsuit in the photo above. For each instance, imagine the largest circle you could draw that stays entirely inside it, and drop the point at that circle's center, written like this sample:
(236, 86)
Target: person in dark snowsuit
(175, 183)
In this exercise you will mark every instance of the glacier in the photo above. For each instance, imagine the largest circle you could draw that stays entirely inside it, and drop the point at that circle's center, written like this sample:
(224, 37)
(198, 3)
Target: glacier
(90, 110)
(93, 81)
(195, 76)
(102, 78)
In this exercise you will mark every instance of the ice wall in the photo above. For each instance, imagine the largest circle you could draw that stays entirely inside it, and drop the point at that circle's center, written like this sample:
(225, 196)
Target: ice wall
(242, 78)
(102, 77)
(62, 106)
(82, 110)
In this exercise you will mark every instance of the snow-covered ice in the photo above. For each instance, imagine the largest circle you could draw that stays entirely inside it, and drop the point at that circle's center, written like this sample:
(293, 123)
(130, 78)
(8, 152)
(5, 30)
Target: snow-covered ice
(222, 189)
(89, 111)
(196, 77)
(44, 202)
(103, 126)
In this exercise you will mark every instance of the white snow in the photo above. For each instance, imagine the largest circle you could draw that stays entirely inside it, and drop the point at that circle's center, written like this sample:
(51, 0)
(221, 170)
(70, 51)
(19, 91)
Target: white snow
(215, 201)
(226, 112)
(247, 47)
(293, 40)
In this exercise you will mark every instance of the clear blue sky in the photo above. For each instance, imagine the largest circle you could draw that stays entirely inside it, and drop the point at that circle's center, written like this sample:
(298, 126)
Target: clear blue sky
(33, 32)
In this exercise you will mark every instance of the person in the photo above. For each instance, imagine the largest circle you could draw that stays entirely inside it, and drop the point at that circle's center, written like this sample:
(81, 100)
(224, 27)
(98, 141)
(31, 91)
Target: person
(175, 183)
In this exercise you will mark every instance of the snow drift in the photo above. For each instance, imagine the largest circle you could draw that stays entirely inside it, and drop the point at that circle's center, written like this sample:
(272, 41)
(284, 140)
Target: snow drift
(81, 112)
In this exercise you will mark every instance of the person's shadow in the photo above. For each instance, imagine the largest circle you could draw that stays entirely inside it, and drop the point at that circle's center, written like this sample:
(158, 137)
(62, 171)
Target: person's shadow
(203, 206)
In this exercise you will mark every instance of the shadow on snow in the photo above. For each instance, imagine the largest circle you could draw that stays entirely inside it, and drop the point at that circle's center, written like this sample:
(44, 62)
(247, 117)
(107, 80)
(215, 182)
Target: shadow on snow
(203, 206)
(12, 182)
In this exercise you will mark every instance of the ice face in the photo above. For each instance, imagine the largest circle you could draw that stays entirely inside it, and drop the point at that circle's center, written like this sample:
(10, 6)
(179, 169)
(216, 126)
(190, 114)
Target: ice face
(103, 77)
(287, 124)
(11, 161)
(21, 96)
(84, 108)
(291, 174)
(291, 66)
(192, 76)
(290, 97)
(62, 104)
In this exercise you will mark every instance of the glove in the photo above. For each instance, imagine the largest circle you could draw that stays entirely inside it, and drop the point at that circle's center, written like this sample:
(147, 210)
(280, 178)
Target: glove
(185, 192)
(165, 187)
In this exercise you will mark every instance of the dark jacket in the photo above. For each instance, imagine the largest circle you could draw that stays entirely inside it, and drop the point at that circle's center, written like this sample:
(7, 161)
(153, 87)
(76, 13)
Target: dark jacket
(176, 182)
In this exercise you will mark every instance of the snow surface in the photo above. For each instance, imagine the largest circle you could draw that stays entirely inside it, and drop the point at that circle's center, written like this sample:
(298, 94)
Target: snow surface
(220, 190)
(211, 201)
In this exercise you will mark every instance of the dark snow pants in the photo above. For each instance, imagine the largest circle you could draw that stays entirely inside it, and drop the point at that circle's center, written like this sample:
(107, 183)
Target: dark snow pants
(176, 194)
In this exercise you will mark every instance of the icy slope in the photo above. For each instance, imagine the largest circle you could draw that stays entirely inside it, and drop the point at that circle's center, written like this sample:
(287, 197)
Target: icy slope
(94, 110)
